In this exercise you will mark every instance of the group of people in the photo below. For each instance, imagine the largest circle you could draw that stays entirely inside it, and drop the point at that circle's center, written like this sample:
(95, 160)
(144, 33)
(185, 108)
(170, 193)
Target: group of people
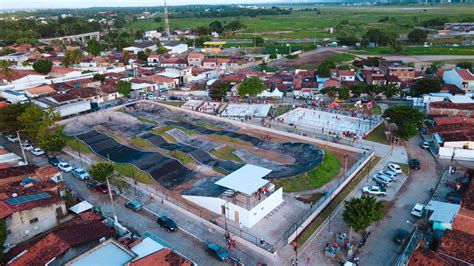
(231, 241)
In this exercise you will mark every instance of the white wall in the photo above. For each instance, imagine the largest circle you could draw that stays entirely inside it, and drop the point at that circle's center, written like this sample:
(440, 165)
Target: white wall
(459, 154)
(265, 207)
(459, 144)
(73, 108)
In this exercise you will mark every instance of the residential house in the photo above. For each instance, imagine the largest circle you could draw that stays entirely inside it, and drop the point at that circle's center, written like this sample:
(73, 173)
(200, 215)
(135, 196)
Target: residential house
(210, 63)
(176, 48)
(21, 79)
(39, 91)
(64, 104)
(173, 62)
(195, 59)
(446, 108)
(374, 78)
(399, 69)
(456, 137)
(461, 78)
(164, 83)
(16, 174)
(151, 35)
(29, 215)
(141, 47)
(117, 255)
(153, 59)
(16, 58)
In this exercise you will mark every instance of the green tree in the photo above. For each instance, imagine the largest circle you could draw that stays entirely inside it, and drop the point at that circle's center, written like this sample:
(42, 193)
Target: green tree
(8, 117)
(72, 57)
(36, 122)
(396, 46)
(360, 213)
(124, 87)
(93, 47)
(324, 69)
(434, 67)
(5, 68)
(376, 36)
(219, 90)
(161, 50)
(216, 26)
(390, 90)
(157, 19)
(259, 41)
(52, 142)
(100, 171)
(273, 56)
(344, 67)
(465, 65)
(426, 85)
(43, 66)
(417, 36)
(142, 56)
(251, 87)
(407, 119)
(344, 93)
(98, 76)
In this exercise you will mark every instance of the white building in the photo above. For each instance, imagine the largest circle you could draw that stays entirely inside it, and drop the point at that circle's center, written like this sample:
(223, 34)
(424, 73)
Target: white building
(245, 200)
(15, 58)
(151, 35)
(141, 47)
(176, 48)
(461, 78)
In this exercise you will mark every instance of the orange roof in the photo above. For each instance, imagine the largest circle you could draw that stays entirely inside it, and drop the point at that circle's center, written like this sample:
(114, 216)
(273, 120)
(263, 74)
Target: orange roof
(154, 56)
(18, 74)
(3, 151)
(163, 257)
(195, 56)
(41, 90)
(223, 60)
(46, 172)
(465, 74)
(453, 120)
(3, 104)
(464, 221)
(346, 73)
(61, 70)
(5, 211)
(159, 78)
(43, 251)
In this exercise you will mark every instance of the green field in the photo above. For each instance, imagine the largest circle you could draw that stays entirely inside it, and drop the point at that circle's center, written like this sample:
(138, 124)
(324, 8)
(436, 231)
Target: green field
(411, 50)
(378, 135)
(226, 153)
(316, 178)
(308, 24)
(77, 145)
(130, 170)
(141, 143)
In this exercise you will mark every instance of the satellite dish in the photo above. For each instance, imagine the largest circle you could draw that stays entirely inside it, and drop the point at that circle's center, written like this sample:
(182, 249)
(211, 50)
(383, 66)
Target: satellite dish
(14, 195)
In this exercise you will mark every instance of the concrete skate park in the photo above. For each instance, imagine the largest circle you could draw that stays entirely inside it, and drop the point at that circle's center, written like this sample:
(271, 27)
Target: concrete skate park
(188, 154)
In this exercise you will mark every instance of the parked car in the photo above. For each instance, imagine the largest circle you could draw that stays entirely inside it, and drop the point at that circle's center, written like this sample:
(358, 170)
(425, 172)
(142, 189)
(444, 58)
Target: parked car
(37, 151)
(135, 205)
(162, 98)
(91, 184)
(400, 236)
(217, 251)
(395, 168)
(12, 138)
(375, 190)
(27, 146)
(150, 96)
(417, 210)
(53, 161)
(65, 167)
(389, 173)
(414, 164)
(80, 173)
(102, 188)
(425, 145)
(173, 98)
(167, 223)
(387, 181)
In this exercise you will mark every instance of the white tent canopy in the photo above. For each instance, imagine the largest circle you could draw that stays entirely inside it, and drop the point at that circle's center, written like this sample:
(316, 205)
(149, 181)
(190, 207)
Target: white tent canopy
(247, 179)
(274, 94)
(81, 207)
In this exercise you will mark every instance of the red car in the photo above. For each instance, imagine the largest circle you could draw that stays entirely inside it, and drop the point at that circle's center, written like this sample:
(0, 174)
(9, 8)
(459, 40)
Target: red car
(102, 188)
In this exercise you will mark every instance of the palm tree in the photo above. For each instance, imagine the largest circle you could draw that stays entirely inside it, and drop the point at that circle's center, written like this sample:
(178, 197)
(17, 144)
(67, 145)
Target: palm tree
(5, 67)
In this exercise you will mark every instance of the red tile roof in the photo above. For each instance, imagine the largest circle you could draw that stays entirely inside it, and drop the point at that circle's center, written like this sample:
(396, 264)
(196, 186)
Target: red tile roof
(458, 244)
(17, 171)
(465, 74)
(464, 221)
(332, 83)
(346, 73)
(453, 120)
(84, 233)
(43, 251)
(35, 203)
(195, 56)
(5, 211)
(18, 74)
(468, 199)
(427, 257)
(163, 257)
(450, 105)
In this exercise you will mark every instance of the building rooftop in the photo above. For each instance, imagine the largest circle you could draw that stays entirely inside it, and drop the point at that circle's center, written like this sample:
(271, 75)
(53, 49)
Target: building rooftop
(42, 252)
(427, 257)
(17, 171)
(164, 257)
(465, 74)
(247, 179)
(442, 211)
(450, 105)
(464, 221)
(146, 247)
(468, 199)
(32, 201)
(80, 234)
(458, 245)
(108, 253)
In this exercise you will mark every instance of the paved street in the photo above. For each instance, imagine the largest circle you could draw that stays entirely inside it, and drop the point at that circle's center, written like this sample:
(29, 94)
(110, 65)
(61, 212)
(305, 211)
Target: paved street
(187, 244)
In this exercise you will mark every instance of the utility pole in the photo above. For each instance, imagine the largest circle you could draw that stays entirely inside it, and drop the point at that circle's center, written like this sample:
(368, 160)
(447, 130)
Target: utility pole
(345, 166)
(110, 195)
(167, 20)
(21, 147)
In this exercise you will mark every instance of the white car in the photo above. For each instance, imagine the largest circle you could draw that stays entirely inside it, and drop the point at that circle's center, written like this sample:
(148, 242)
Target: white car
(418, 210)
(162, 98)
(12, 138)
(394, 168)
(65, 167)
(388, 173)
(27, 146)
(375, 190)
(37, 151)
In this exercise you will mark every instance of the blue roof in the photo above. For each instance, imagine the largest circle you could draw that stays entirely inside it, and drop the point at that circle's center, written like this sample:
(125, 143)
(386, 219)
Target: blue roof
(28, 198)
(107, 255)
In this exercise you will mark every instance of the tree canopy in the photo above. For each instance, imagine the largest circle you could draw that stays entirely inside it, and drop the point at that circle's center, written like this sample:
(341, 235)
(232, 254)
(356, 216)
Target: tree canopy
(43, 66)
(465, 65)
(219, 90)
(417, 36)
(8, 117)
(124, 87)
(426, 85)
(251, 87)
(93, 47)
(360, 213)
(324, 69)
(378, 37)
(100, 171)
(73, 57)
(407, 119)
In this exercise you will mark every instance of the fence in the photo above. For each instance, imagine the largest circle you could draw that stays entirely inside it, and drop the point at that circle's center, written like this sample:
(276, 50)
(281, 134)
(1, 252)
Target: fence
(325, 199)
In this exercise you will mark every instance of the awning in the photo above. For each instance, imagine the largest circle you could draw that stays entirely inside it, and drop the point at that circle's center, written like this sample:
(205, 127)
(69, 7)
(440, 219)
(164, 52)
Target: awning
(247, 179)
(81, 207)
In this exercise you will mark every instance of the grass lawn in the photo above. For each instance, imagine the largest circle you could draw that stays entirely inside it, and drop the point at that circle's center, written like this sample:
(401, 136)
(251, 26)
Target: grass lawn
(77, 145)
(282, 109)
(184, 158)
(316, 223)
(228, 139)
(340, 58)
(405, 168)
(378, 135)
(163, 129)
(142, 143)
(417, 50)
(316, 178)
(130, 170)
(226, 153)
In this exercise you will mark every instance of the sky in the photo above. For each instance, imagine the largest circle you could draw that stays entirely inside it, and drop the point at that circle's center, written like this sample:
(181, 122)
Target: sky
(14, 4)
